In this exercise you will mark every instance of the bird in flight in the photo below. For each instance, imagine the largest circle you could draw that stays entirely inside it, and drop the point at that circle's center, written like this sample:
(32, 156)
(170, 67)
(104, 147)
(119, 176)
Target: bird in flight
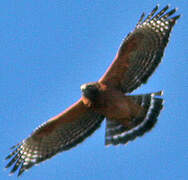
(127, 116)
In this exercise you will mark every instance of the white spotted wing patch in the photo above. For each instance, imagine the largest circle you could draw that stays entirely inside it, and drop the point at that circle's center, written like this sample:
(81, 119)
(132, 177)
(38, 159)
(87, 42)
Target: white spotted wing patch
(154, 32)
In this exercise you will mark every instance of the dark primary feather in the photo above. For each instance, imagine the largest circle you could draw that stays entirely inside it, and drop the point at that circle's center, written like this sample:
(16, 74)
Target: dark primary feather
(154, 32)
(31, 151)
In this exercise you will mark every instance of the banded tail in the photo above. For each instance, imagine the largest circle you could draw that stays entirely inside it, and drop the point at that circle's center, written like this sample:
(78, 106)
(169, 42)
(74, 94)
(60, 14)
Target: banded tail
(152, 104)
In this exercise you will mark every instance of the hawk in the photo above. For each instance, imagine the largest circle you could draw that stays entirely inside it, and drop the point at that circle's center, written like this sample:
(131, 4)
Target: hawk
(127, 116)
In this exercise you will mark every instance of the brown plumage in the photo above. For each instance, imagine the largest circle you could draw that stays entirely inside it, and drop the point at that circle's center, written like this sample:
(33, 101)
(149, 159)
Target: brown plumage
(127, 116)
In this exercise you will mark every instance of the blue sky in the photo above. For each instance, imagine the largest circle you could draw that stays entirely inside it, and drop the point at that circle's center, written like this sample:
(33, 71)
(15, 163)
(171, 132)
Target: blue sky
(49, 48)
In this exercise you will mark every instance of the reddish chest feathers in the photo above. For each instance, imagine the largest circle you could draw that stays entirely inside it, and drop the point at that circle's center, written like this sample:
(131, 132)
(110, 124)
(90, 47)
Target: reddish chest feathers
(99, 100)
(113, 104)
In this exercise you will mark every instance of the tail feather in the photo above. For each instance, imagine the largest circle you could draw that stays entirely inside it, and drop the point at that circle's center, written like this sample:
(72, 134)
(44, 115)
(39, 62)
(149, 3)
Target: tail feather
(152, 104)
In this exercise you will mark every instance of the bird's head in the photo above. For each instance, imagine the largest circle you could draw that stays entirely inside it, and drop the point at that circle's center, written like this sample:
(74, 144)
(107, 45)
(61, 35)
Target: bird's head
(90, 90)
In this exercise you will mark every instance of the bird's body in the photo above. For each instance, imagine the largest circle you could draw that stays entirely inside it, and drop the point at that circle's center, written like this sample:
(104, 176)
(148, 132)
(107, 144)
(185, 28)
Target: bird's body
(127, 116)
(111, 102)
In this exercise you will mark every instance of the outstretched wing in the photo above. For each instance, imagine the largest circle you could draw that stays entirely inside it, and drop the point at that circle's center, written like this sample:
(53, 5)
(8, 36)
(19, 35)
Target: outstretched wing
(141, 51)
(58, 134)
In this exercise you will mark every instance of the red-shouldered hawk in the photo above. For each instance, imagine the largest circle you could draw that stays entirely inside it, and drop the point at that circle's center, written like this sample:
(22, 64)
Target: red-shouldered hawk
(127, 116)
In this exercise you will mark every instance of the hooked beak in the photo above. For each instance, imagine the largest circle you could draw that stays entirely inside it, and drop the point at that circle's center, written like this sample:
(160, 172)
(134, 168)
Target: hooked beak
(83, 87)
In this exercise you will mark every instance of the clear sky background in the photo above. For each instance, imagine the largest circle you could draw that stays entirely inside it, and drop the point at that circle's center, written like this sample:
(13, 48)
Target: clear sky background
(49, 48)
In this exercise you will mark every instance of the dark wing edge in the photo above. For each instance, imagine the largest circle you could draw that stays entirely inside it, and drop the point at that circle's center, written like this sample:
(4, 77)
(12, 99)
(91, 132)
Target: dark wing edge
(141, 51)
(32, 151)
